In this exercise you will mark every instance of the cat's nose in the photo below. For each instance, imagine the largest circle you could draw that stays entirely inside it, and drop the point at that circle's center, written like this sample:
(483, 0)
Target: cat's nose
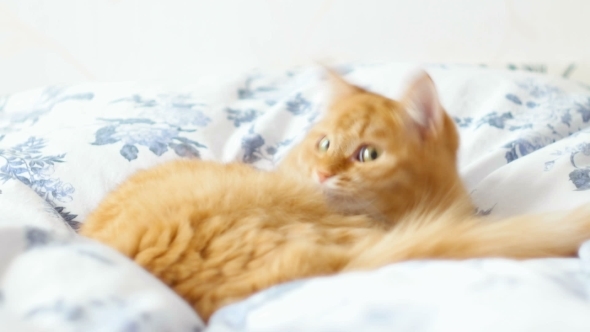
(323, 176)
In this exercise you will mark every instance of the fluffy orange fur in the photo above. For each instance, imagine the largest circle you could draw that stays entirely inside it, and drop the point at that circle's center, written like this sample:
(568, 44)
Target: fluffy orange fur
(217, 233)
(417, 144)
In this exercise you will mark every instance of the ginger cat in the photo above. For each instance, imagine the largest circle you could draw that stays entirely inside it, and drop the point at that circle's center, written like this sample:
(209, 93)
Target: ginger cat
(374, 155)
(217, 233)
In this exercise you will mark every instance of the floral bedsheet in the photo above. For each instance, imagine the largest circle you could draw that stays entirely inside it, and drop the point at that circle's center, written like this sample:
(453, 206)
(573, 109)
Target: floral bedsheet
(525, 148)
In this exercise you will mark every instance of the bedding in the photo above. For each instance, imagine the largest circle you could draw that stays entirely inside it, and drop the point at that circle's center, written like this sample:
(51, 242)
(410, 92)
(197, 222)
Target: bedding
(525, 148)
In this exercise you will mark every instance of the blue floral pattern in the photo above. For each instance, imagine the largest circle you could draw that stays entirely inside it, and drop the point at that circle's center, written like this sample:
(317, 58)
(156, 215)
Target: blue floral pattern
(161, 127)
(240, 117)
(26, 163)
(537, 128)
(580, 176)
(298, 105)
(255, 87)
(529, 96)
(253, 143)
(46, 101)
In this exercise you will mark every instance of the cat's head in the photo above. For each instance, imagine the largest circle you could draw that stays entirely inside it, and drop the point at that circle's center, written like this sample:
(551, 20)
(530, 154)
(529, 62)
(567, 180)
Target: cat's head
(371, 154)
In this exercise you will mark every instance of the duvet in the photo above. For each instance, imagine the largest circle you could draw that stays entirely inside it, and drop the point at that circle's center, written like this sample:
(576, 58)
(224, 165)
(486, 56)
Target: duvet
(525, 148)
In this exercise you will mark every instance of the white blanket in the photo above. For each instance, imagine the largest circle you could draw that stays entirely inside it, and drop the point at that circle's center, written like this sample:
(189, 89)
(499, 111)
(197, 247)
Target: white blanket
(525, 148)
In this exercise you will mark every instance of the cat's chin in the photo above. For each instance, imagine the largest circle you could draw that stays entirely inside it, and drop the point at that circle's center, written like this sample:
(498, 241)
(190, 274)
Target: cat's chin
(350, 204)
(342, 201)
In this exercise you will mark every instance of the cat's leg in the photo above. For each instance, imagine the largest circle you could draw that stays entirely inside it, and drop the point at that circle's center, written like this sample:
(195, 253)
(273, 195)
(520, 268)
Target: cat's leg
(556, 234)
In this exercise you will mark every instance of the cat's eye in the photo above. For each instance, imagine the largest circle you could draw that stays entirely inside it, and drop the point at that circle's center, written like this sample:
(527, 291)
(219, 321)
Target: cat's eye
(367, 153)
(324, 144)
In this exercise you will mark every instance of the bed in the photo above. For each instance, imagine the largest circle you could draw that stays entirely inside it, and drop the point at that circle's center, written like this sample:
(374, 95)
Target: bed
(525, 148)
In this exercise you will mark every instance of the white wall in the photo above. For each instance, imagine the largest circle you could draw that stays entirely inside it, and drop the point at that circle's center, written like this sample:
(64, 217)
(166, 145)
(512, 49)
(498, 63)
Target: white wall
(56, 41)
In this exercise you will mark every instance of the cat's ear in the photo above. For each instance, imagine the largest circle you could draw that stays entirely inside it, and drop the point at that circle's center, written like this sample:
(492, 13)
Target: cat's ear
(422, 104)
(339, 87)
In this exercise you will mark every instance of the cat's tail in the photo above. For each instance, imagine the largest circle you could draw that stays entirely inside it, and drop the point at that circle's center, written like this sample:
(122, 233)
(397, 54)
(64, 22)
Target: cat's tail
(556, 234)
